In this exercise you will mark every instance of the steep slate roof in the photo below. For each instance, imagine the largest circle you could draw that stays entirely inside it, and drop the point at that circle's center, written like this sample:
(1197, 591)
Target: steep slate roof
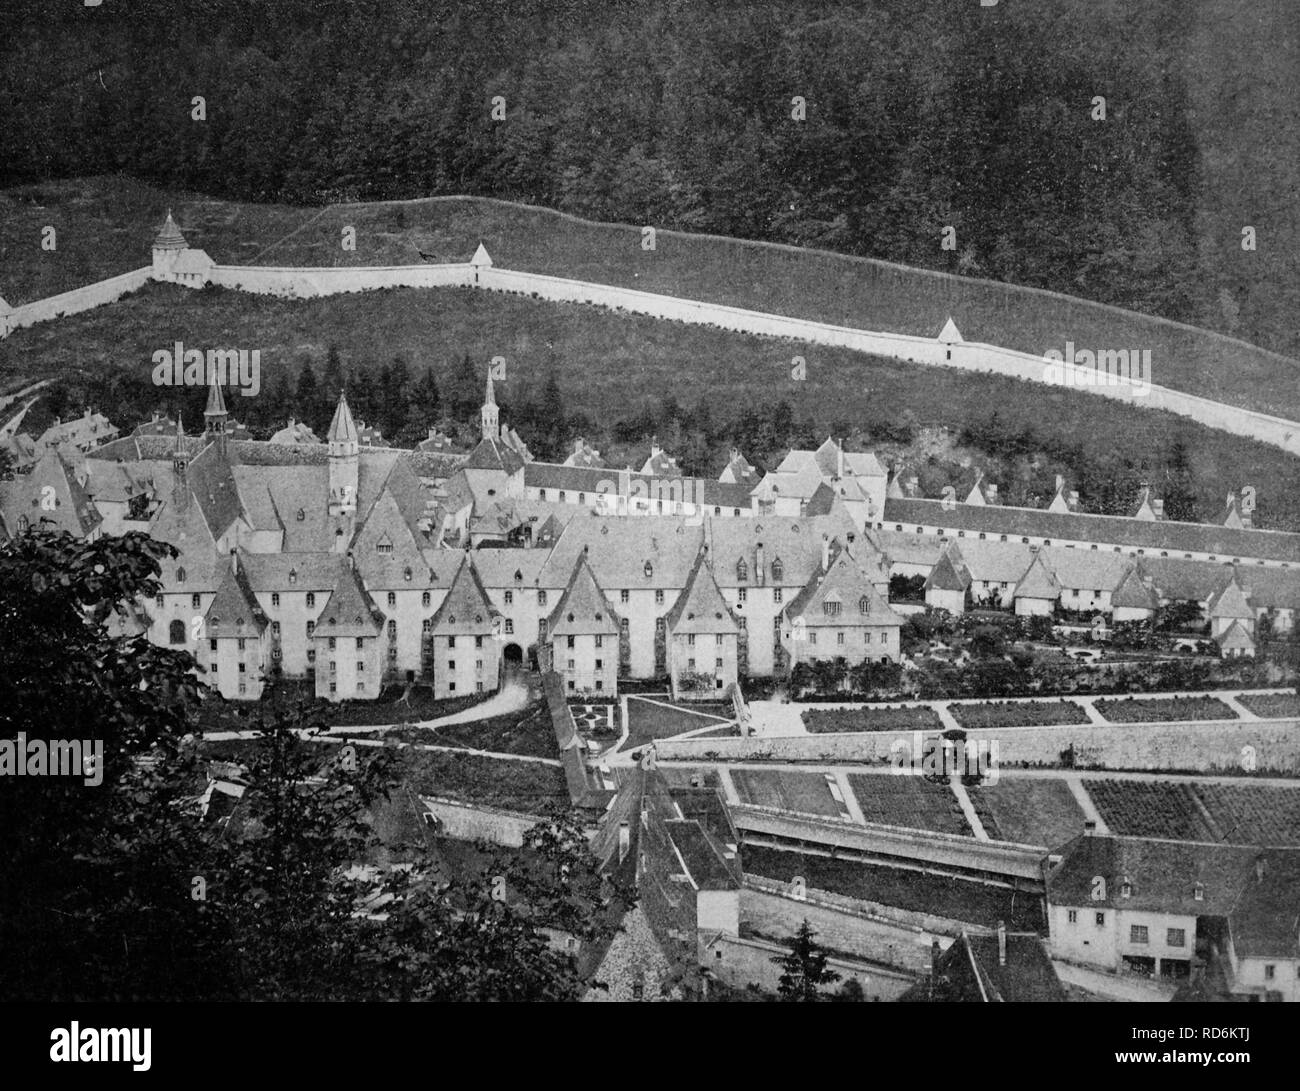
(1235, 636)
(293, 433)
(234, 600)
(73, 510)
(1086, 569)
(343, 429)
(1133, 592)
(548, 475)
(950, 573)
(349, 611)
(1222, 542)
(491, 454)
(1038, 582)
(1265, 922)
(1163, 874)
(846, 582)
(169, 236)
(795, 540)
(583, 609)
(621, 547)
(212, 482)
(1230, 602)
(700, 608)
(970, 971)
(466, 609)
(741, 470)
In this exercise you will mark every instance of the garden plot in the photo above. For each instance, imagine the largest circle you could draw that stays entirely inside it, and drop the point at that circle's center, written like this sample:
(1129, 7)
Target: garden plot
(1017, 713)
(1251, 814)
(1131, 710)
(1028, 811)
(1272, 705)
(1138, 808)
(649, 720)
(826, 720)
(909, 801)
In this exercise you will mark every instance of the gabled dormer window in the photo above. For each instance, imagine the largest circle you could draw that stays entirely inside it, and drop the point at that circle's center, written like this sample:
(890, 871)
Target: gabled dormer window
(831, 609)
(1126, 889)
(649, 570)
(864, 605)
(1198, 892)
(293, 575)
(384, 545)
(180, 575)
(742, 570)
(778, 571)
(301, 515)
(406, 575)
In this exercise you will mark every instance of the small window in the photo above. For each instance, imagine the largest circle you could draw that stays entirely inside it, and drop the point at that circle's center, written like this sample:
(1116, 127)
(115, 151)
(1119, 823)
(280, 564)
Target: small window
(333, 643)
(451, 641)
(1072, 916)
(777, 595)
(510, 598)
(1176, 937)
(392, 631)
(569, 642)
(311, 600)
(425, 599)
(195, 602)
(1137, 933)
(275, 599)
(392, 598)
(541, 598)
(659, 598)
(742, 595)
(1269, 972)
(1101, 920)
(624, 596)
(478, 642)
(176, 632)
(180, 575)
(275, 629)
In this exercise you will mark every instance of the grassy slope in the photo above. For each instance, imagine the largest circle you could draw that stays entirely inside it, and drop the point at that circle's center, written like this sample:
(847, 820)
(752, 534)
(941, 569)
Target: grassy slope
(102, 235)
(608, 362)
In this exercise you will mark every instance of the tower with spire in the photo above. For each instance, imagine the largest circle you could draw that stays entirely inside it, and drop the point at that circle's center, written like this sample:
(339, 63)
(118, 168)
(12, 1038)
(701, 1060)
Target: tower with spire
(344, 458)
(214, 415)
(180, 467)
(167, 247)
(490, 413)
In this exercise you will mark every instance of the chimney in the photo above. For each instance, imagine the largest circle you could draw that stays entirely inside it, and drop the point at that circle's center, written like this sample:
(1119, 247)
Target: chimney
(234, 561)
(352, 561)
(1002, 943)
(839, 459)
(759, 568)
(991, 491)
(654, 447)
(1259, 868)
(624, 840)
(826, 552)
(1158, 508)
(577, 445)
(909, 486)
(1073, 500)
(735, 454)
(1089, 828)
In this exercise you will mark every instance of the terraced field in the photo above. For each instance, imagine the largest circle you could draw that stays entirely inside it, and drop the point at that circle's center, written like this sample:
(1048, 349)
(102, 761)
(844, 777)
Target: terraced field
(1028, 811)
(909, 801)
(827, 720)
(806, 793)
(1253, 814)
(1150, 809)
(1017, 713)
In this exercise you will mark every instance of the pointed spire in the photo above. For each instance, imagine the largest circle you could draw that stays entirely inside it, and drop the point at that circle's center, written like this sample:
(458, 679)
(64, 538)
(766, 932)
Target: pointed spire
(179, 447)
(170, 237)
(342, 428)
(216, 400)
(490, 398)
(950, 335)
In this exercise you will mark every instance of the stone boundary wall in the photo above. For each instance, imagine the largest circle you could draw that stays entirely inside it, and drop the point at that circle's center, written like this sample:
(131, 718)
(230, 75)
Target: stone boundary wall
(79, 299)
(847, 930)
(745, 961)
(310, 283)
(307, 282)
(1202, 746)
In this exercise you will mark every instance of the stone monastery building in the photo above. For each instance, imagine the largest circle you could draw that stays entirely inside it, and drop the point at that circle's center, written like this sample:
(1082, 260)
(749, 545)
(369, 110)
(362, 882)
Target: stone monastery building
(354, 564)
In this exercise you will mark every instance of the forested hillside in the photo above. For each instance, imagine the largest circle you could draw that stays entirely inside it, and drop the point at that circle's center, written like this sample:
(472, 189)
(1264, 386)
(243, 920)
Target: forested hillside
(920, 114)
